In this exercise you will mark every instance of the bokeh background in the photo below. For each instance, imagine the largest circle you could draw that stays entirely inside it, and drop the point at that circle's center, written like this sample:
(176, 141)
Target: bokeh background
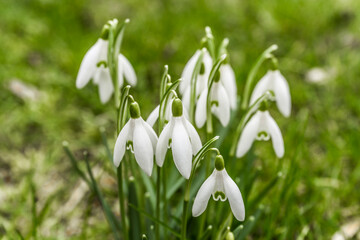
(42, 43)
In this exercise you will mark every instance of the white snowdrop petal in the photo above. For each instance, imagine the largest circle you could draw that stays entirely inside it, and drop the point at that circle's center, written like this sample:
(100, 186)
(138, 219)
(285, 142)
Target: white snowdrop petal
(282, 94)
(120, 73)
(207, 60)
(234, 196)
(194, 136)
(103, 50)
(186, 99)
(128, 70)
(163, 143)
(203, 195)
(154, 115)
(181, 148)
(105, 85)
(120, 144)
(187, 72)
(276, 136)
(88, 65)
(222, 111)
(151, 133)
(228, 79)
(261, 87)
(248, 135)
(200, 112)
(143, 149)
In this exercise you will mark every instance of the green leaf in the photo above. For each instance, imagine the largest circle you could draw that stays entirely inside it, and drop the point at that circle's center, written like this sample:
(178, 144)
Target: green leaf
(156, 220)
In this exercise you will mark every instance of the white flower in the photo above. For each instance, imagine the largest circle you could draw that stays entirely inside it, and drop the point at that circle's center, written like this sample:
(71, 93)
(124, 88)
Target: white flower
(183, 139)
(154, 115)
(274, 81)
(94, 66)
(228, 79)
(260, 127)
(189, 68)
(220, 105)
(141, 139)
(202, 79)
(221, 187)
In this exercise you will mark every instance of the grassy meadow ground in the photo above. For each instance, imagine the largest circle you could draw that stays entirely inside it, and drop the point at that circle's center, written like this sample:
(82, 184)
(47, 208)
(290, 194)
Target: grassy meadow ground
(42, 43)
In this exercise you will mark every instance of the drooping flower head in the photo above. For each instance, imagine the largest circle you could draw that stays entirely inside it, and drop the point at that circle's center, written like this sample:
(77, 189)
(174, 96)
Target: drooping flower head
(220, 104)
(220, 186)
(140, 138)
(274, 81)
(261, 127)
(228, 80)
(201, 80)
(183, 139)
(154, 115)
(95, 66)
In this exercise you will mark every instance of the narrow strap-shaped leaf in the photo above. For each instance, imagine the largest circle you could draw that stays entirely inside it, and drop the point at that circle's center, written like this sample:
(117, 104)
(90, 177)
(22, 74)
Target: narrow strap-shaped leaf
(123, 108)
(243, 230)
(134, 218)
(109, 215)
(156, 220)
(74, 163)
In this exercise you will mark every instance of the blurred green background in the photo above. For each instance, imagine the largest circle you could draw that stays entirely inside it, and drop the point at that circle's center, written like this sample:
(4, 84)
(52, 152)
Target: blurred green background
(42, 43)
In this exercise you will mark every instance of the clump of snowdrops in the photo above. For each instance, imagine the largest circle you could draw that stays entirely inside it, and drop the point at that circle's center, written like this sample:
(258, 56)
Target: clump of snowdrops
(170, 164)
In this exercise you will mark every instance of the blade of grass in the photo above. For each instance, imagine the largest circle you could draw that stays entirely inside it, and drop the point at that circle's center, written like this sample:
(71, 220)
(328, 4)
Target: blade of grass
(109, 215)
(156, 220)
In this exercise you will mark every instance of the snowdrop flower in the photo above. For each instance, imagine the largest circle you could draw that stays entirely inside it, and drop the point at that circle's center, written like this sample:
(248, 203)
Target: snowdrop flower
(261, 127)
(228, 79)
(183, 139)
(274, 81)
(154, 115)
(220, 104)
(221, 187)
(138, 136)
(94, 66)
(202, 79)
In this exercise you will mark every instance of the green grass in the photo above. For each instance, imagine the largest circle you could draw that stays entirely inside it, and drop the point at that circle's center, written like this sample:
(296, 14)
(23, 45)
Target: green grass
(43, 42)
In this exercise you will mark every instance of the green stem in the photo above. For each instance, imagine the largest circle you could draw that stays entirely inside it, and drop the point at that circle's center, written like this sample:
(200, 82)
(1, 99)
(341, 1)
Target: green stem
(185, 210)
(158, 184)
(250, 79)
(122, 202)
(165, 219)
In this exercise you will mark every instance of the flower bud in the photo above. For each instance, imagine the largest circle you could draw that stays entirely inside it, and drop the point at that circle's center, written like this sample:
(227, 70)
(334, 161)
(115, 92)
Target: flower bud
(177, 108)
(230, 236)
(219, 163)
(134, 110)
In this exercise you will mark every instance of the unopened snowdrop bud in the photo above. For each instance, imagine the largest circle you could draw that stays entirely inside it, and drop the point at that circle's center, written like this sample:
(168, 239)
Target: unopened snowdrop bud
(274, 81)
(182, 137)
(140, 138)
(261, 127)
(221, 187)
(230, 236)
